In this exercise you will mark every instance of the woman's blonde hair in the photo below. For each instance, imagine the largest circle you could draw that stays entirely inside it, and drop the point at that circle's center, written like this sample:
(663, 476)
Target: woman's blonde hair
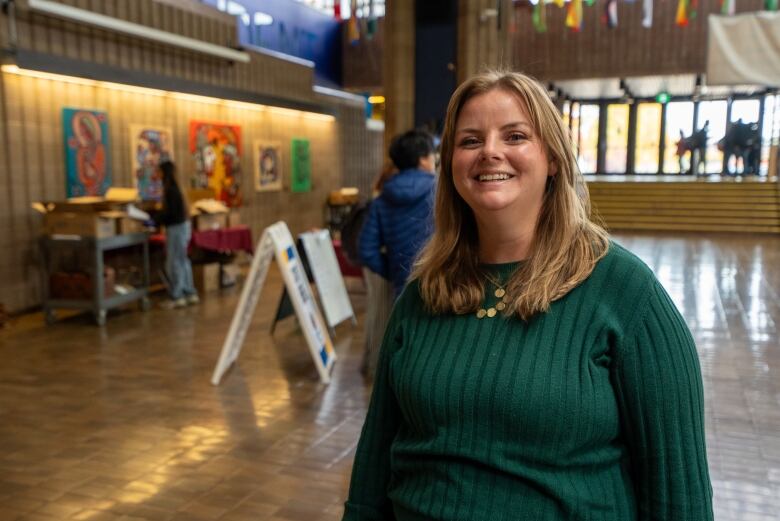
(566, 244)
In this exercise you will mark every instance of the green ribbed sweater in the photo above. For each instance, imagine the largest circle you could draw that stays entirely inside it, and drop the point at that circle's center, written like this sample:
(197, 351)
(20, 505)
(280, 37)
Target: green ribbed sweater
(591, 411)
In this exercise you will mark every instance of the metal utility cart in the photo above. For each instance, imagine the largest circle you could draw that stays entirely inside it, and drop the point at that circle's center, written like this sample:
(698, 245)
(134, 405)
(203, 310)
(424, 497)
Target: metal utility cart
(99, 304)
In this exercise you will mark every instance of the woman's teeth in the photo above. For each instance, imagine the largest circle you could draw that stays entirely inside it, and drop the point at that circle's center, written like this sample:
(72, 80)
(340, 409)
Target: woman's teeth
(493, 177)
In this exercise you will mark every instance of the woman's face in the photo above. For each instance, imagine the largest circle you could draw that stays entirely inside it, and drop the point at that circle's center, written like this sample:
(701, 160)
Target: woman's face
(498, 163)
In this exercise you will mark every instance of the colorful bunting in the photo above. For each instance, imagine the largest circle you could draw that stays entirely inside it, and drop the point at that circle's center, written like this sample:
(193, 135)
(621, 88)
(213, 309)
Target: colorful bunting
(538, 17)
(353, 31)
(682, 13)
(559, 3)
(647, 14)
(574, 15)
(611, 14)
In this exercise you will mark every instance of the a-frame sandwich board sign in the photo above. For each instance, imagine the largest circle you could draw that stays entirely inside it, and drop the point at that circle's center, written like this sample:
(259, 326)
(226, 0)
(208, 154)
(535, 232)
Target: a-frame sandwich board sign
(276, 242)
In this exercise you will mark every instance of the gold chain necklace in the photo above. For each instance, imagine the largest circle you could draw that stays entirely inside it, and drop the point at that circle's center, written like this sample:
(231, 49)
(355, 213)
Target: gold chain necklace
(499, 293)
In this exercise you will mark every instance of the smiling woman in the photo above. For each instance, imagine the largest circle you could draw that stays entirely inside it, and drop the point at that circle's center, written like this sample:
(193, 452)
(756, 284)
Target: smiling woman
(532, 369)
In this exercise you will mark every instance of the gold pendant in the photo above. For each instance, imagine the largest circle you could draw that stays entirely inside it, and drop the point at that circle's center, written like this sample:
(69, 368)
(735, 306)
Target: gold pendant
(500, 292)
(491, 312)
(500, 306)
(481, 313)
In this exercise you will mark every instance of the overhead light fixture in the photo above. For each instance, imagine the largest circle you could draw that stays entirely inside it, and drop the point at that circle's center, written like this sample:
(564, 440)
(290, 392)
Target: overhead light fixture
(183, 96)
(663, 97)
(375, 100)
(263, 18)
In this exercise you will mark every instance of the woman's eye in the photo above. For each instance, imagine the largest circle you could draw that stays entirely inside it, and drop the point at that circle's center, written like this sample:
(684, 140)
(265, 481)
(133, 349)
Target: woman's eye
(516, 136)
(469, 141)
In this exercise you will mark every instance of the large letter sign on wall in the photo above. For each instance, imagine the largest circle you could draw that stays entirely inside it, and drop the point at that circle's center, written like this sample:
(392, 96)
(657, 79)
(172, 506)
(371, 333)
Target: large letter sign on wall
(277, 242)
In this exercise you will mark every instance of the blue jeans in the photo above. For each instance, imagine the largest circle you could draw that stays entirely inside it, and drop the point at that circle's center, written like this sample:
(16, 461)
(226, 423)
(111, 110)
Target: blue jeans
(177, 263)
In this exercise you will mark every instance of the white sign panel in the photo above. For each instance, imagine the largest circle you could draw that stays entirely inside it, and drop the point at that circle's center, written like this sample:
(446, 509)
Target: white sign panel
(277, 240)
(327, 275)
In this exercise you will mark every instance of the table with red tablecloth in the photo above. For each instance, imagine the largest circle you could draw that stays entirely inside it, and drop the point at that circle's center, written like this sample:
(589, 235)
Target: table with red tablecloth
(347, 268)
(233, 239)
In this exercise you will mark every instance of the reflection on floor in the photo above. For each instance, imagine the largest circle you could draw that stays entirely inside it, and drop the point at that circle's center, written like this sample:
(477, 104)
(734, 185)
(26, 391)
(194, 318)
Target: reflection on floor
(122, 422)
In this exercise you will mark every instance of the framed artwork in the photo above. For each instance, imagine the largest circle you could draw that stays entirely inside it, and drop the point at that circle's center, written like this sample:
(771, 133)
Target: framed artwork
(149, 146)
(268, 166)
(87, 160)
(301, 165)
(216, 149)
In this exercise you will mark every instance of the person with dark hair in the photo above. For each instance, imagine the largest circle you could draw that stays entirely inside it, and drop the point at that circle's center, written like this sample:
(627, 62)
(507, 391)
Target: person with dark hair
(175, 218)
(400, 220)
(532, 368)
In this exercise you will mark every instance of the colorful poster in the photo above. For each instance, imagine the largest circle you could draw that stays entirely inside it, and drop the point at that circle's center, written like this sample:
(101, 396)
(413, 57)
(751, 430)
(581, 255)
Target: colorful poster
(87, 162)
(149, 145)
(268, 166)
(216, 148)
(301, 165)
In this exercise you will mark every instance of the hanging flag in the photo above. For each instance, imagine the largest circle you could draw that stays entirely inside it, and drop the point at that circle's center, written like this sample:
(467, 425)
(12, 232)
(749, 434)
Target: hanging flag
(353, 31)
(538, 17)
(647, 14)
(727, 6)
(770, 5)
(337, 11)
(682, 13)
(574, 15)
(610, 13)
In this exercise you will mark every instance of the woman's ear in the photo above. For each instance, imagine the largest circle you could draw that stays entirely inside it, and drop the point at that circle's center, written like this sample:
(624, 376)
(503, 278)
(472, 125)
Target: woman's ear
(552, 169)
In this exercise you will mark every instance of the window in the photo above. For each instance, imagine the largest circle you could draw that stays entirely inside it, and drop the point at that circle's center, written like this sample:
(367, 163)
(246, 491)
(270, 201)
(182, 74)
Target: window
(715, 113)
(679, 118)
(617, 139)
(574, 125)
(771, 131)
(648, 134)
(589, 138)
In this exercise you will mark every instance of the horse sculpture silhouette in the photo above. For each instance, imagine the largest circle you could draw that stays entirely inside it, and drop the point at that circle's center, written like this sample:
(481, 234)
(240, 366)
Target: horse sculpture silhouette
(742, 140)
(696, 144)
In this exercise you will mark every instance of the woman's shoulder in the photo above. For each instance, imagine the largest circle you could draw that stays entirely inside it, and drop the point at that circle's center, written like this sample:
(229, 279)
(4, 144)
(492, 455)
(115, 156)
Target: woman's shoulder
(619, 261)
(621, 274)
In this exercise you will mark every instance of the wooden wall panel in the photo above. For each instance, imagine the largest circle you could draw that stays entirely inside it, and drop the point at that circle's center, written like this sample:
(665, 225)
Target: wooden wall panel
(627, 50)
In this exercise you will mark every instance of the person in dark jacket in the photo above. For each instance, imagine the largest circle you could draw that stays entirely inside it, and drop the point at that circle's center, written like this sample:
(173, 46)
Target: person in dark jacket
(175, 218)
(399, 222)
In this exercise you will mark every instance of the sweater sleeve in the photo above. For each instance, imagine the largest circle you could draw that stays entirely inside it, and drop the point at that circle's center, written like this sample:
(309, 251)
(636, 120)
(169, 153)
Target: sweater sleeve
(371, 242)
(658, 384)
(368, 499)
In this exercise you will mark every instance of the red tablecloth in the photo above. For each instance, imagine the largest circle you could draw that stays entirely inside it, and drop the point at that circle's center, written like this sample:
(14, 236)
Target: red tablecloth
(347, 268)
(227, 239)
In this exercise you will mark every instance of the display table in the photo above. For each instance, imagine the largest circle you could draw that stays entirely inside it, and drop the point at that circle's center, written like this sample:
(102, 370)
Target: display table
(237, 238)
(99, 304)
(347, 268)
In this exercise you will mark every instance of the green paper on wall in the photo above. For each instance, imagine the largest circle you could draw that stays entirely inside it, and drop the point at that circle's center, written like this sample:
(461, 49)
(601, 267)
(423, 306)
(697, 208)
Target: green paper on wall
(301, 165)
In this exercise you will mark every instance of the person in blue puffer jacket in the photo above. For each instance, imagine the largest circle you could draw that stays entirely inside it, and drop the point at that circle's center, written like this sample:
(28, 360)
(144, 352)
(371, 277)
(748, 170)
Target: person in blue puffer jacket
(400, 219)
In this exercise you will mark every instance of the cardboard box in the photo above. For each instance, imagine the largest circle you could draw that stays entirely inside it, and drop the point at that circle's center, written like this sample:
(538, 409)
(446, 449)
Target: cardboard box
(210, 221)
(85, 224)
(78, 286)
(234, 219)
(343, 196)
(206, 277)
(127, 225)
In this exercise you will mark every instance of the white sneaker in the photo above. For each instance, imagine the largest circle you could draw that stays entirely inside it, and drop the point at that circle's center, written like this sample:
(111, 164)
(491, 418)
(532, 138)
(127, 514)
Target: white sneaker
(193, 299)
(172, 304)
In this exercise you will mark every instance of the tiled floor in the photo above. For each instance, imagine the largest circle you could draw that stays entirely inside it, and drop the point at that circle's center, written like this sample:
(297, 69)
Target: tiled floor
(122, 422)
